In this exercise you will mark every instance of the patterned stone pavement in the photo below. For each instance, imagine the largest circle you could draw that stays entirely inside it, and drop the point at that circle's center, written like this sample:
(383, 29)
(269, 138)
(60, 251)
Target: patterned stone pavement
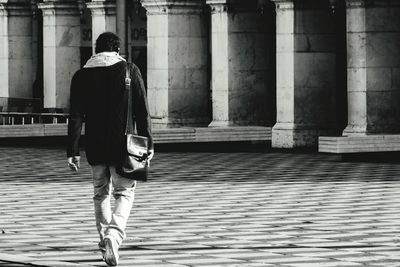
(207, 209)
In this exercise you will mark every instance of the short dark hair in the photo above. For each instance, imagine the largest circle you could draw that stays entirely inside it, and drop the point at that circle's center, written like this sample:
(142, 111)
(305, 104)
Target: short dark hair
(107, 42)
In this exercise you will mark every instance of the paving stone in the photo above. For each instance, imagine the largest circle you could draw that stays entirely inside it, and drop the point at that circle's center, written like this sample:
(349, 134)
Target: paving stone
(199, 261)
(208, 209)
(326, 264)
(11, 264)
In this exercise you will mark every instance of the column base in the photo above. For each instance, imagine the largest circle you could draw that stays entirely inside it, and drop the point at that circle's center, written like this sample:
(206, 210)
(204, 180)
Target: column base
(291, 135)
(215, 123)
(363, 130)
(355, 130)
(219, 123)
(178, 123)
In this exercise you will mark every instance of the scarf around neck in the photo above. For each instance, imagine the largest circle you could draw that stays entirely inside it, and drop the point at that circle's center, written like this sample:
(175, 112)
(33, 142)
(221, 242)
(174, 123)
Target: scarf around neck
(103, 59)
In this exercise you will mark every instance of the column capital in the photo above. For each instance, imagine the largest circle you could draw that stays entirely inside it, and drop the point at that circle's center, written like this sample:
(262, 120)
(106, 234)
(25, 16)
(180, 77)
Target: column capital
(102, 7)
(34, 8)
(3, 10)
(58, 8)
(367, 3)
(218, 6)
(283, 4)
(173, 6)
(355, 3)
(16, 8)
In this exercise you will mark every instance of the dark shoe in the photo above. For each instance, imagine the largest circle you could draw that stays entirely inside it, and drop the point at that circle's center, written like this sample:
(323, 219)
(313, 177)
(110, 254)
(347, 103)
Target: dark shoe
(102, 247)
(111, 254)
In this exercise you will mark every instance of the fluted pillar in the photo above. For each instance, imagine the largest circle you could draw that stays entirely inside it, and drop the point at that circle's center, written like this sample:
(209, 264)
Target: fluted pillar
(177, 52)
(16, 68)
(373, 67)
(103, 18)
(306, 73)
(243, 66)
(61, 50)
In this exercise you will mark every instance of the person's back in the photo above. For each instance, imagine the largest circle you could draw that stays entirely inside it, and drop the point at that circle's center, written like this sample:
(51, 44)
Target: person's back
(103, 100)
(100, 98)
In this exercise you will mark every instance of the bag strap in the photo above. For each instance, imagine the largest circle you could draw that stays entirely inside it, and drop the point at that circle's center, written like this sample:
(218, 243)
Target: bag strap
(129, 122)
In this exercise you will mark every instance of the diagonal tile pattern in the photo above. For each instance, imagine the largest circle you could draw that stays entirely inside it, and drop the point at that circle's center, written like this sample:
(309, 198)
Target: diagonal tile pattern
(207, 209)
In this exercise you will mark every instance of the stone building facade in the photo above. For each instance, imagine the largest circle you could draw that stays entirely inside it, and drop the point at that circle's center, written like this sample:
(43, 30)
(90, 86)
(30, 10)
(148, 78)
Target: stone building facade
(306, 68)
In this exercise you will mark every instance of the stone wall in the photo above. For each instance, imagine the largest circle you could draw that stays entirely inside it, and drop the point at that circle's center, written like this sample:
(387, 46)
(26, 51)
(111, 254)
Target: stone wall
(252, 65)
(373, 32)
(16, 71)
(177, 45)
(243, 63)
(306, 73)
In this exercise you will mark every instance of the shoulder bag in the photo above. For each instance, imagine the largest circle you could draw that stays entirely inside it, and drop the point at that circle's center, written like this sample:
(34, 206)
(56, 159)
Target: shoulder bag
(134, 163)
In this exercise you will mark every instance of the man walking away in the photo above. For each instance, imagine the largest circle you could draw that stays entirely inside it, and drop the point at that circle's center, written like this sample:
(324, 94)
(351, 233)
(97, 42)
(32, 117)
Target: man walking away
(99, 97)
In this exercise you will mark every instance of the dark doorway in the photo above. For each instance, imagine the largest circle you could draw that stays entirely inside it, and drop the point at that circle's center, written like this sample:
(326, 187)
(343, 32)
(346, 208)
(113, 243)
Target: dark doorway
(86, 53)
(139, 57)
(341, 66)
(37, 90)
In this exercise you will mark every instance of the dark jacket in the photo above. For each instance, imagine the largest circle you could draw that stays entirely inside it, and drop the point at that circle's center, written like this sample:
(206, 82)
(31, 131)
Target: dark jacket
(99, 97)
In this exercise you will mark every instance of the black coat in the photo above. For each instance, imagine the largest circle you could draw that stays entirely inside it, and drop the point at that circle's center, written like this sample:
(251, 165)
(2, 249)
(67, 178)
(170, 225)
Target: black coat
(99, 97)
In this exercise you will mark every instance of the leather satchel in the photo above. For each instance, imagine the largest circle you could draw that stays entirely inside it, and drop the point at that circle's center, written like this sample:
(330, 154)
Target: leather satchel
(134, 163)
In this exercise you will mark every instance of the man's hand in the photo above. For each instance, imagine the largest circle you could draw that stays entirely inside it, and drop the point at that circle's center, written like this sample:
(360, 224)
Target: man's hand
(150, 156)
(74, 163)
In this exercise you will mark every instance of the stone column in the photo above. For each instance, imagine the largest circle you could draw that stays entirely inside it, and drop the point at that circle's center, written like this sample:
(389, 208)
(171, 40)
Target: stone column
(178, 87)
(103, 18)
(61, 50)
(35, 35)
(4, 83)
(37, 57)
(220, 62)
(243, 66)
(306, 73)
(373, 67)
(121, 26)
(16, 50)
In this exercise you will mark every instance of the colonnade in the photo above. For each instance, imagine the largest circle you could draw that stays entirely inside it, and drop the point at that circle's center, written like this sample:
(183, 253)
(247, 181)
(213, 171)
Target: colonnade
(304, 68)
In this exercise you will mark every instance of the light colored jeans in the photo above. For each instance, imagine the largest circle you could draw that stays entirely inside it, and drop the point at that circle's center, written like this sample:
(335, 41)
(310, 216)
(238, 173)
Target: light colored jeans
(110, 222)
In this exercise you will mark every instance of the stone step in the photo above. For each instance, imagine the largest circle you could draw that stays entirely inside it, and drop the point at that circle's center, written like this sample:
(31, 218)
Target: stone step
(172, 135)
(359, 144)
